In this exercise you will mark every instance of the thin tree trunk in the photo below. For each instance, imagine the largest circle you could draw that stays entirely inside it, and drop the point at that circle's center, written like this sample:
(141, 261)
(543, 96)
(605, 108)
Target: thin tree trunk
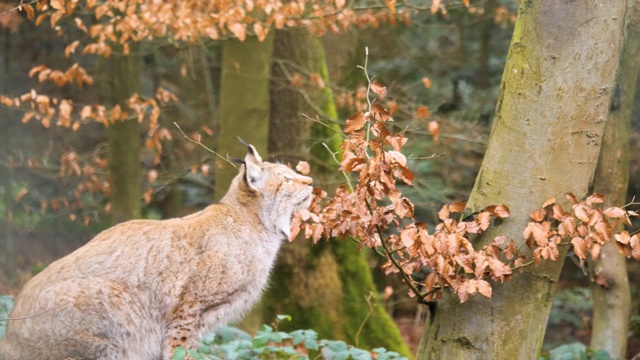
(7, 183)
(327, 287)
(610, 286)
(244, 102)
(119, 81)
(550, 117)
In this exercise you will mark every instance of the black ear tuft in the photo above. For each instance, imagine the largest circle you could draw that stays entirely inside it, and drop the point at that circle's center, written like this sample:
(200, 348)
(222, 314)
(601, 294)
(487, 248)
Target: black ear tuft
(249, 147)
(237, 160)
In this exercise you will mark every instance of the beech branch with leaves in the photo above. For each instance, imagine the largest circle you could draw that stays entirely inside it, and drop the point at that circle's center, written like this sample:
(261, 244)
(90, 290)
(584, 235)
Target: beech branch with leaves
(376, 214)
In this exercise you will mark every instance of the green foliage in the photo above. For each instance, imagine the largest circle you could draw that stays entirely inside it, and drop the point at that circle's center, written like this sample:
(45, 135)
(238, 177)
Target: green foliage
(6, 304)
(270, 343)
(575, 351)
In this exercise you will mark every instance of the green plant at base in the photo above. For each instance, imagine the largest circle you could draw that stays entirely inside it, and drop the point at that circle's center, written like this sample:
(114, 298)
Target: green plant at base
(270, 343)
(575, 351)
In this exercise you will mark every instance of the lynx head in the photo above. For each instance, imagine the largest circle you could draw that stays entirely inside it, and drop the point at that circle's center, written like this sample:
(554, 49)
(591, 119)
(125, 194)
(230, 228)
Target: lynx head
(273, 191)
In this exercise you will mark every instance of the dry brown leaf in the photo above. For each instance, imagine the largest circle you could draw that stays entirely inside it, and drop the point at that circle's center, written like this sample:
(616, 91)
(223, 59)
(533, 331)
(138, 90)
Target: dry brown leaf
(615, 212)
(579, 247)
(426, 82)
(571, 198)
(380, 113)
(303, 168)
(484, 288)
(538, 215)
(549, 202)
(378, 88)
(434, 129)
(422, 112)
(355, 122)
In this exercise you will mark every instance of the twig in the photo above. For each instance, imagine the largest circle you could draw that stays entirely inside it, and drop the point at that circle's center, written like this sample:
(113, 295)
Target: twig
(333, 154)
(199, 142)
(19, 7)
(317, 120)
(36, 314)
(366, 318)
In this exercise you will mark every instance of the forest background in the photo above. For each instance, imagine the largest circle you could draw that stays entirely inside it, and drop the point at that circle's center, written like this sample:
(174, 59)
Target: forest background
(78, 153)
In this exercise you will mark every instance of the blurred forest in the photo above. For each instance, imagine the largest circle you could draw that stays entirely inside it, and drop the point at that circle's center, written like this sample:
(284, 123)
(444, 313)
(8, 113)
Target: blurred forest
(67, 176)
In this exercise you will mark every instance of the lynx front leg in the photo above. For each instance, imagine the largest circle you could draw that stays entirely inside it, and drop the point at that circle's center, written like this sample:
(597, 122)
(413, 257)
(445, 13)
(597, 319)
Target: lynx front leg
(183, 330)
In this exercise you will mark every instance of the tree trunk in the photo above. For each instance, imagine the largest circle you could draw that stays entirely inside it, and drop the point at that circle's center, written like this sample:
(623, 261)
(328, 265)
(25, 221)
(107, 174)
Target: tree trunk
(550, 117)
(7, 177)
(244, 103)
(610, 286)
(120, 79)
(327, 287)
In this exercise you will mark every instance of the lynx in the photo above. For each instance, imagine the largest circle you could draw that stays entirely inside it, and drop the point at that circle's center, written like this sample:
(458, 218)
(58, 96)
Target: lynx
(143, 288)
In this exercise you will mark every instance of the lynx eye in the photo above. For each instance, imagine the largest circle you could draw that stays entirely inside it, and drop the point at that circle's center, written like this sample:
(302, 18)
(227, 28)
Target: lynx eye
(288, 179)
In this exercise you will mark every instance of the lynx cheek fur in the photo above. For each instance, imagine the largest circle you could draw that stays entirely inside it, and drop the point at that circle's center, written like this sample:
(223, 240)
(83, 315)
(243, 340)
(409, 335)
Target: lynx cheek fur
(143, 288)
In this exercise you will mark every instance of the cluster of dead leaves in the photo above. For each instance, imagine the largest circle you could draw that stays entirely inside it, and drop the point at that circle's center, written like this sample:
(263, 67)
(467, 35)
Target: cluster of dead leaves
(46, 109)
(123, 21)
(587, 226)
(374, 212)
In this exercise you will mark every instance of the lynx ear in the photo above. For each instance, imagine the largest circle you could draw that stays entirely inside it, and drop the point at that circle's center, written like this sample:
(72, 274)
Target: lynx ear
(253, 172)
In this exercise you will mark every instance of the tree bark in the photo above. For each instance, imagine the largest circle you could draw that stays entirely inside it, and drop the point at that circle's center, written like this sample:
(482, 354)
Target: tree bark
(610, 282)
(327, 287)
(7, 178)
(120, 79)
(553, 105)
(244, 102)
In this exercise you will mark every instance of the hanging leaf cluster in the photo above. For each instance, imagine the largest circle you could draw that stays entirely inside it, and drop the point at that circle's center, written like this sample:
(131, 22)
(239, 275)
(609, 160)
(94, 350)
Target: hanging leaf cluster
(374, 212)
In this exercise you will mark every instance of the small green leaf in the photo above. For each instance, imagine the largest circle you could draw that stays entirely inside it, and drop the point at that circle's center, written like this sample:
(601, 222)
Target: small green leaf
(179, 353)
(283, 317)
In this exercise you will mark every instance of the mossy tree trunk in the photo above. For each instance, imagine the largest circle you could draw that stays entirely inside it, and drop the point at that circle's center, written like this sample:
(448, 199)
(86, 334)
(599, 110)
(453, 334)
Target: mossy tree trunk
(610, 282)
(244, 103)
(553, 105)
(119, 80)
(328, 286)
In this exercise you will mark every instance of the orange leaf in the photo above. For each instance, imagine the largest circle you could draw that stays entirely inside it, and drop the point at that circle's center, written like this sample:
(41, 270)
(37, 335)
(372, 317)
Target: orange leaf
(595, 198)
(427, 82)
(422, 112)
(148, 195)
(434, 129)
(502, 211)
(408, 236)
(303, 167)
(29, 10)
(615, 212)
(457, 207)
(317, 80)
(549, 202)
(558, 213)
(484, 288)
(571, 198)
(56, 4)
(380, 113)
(538, 215)
(239, 30)
(378, 88)
(443, 214)
(21, 193)
(581, 212)
(510, 250)
(579, 247)
(435, 5)
(355, 122)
